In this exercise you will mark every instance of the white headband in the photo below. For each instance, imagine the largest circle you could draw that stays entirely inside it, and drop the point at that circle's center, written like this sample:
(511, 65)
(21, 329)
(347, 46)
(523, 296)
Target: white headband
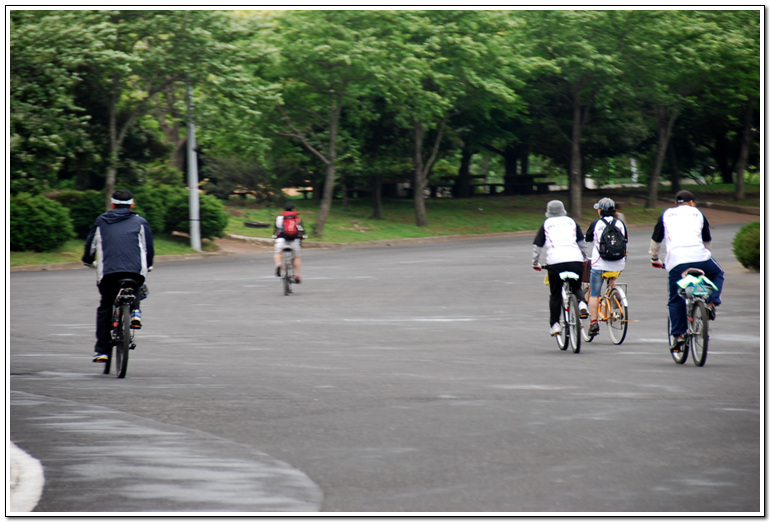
(119, 202)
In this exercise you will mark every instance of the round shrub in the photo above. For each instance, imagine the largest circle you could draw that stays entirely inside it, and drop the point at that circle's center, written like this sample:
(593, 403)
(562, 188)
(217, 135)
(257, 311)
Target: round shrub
(213, 216)
(38, 223)
(152, 203)
(746, 245)
(84, 206)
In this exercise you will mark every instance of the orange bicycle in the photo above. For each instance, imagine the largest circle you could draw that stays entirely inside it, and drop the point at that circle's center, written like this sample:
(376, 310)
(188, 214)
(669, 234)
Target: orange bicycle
(613, 309)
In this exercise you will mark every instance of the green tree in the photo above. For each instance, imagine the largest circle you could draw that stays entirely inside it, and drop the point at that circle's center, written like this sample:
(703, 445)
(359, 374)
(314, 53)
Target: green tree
(585, 49)
(47, 48)
(325, 57)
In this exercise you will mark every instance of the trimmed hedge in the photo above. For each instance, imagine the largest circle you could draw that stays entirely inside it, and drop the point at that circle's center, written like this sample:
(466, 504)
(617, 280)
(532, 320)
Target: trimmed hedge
(213, 216)
(38, 223)
(746, 245)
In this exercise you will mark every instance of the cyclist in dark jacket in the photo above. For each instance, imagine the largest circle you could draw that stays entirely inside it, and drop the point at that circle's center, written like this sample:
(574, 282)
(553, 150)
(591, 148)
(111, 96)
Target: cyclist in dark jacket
(120, 242)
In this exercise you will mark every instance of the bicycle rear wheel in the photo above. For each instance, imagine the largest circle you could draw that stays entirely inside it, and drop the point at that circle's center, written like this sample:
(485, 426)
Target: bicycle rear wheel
(679, 357)
(573, 322)
(699, 342)
(618, 320)
(124, 345)
(288, 271)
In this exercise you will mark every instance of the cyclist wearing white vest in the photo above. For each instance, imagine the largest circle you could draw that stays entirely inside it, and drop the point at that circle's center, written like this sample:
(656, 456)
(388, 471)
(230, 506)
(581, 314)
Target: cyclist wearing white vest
(565, 245)
(688, 245)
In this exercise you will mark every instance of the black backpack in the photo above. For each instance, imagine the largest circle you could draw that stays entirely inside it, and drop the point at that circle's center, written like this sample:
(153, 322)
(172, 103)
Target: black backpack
(612, 244)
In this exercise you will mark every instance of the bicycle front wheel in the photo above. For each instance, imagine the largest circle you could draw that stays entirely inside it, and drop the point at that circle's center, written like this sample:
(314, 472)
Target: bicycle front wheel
(573, 321)
(699, 342)
(124, 345)
(618, 320)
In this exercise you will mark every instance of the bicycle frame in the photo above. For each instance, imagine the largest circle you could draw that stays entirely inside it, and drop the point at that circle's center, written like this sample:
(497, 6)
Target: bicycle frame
(604, 300)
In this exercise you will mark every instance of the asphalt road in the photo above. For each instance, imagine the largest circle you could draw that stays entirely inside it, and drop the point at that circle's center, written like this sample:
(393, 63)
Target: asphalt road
(398, 379)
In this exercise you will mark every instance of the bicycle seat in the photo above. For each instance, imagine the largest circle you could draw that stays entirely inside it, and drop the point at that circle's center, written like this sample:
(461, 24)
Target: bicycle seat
(610, 275)
(693, 271)
(568, 275)
(128, 283)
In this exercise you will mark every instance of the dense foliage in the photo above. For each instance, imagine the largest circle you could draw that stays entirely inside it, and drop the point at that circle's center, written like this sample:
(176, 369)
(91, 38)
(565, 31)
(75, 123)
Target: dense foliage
(747, 245)
(38, 223)
(345, 99)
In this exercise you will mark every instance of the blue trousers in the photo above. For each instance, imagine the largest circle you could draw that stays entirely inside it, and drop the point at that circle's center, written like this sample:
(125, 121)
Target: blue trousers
(677, 311)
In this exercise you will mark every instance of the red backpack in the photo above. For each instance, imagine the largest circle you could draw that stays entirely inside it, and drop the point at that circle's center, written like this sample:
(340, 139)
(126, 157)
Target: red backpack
(290, 225)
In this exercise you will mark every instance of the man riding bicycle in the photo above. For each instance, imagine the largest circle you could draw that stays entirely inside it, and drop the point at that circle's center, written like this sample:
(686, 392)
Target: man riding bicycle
(565, 247)
(120, 242)
(600, 262)
(688, 245)
(288, 233)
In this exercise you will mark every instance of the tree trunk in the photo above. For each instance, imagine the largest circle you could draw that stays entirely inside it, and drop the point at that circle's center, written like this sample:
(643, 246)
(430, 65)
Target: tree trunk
(326, 200)
(331, 167)
(525, 160)
(576, 163)
(420, 213)
(377, 197)
(510, 159)
(172, 130)
(675, 175)
(665, 118)
(743, 157)
(423, 168)
(112, 166)
(462, 188)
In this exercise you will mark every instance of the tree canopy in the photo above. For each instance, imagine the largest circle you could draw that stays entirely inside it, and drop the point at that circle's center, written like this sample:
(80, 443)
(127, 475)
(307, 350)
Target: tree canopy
(338, 99)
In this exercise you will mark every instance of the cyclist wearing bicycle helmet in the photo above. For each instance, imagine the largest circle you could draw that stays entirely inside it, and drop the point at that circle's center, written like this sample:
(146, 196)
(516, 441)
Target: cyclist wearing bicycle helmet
(688, 245)
(606, 209)
(565, 253)
(289, 233)
(120, 242)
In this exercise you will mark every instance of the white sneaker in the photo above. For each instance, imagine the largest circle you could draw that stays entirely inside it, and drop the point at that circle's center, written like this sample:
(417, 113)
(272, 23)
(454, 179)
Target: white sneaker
(583, 307)
(555, 329)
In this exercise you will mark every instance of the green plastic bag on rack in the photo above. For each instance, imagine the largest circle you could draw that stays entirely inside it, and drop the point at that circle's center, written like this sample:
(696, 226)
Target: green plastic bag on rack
(691, 285)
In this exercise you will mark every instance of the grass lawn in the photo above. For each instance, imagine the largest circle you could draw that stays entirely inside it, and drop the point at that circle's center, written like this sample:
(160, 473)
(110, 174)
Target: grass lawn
(354, 222)
(72, 251)
(481, 215)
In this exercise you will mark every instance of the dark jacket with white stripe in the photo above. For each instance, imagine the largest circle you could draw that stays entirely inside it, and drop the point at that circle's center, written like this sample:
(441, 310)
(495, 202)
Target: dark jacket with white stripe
(120, 241)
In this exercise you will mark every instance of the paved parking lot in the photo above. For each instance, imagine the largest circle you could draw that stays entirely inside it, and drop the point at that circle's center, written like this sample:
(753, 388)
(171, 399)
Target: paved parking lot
(412, 378)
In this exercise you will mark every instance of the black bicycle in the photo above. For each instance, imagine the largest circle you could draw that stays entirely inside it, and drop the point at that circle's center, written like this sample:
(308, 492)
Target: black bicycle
(122, 334)
(695, 288)
(288, 271)
(571, 324)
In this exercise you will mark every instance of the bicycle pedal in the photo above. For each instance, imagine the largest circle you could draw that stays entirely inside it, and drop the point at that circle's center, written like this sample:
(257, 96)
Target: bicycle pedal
(132, 346)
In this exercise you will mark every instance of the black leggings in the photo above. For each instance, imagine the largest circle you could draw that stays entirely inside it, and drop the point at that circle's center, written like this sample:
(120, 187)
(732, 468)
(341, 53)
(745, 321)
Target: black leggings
(555, 284)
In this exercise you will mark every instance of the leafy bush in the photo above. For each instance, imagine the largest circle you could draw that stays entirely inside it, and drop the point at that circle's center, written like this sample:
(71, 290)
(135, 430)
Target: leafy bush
(213, 216)
(152, 203)
(38, 223)
(84, 206)
(746, 245)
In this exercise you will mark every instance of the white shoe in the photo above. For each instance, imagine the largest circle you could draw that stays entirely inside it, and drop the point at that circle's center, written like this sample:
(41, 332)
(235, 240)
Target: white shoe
(555, 329)
(583, 309)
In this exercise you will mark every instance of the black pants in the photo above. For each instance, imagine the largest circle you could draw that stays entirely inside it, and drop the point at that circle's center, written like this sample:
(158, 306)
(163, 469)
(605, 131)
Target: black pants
(555, 283)
(109, 287)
